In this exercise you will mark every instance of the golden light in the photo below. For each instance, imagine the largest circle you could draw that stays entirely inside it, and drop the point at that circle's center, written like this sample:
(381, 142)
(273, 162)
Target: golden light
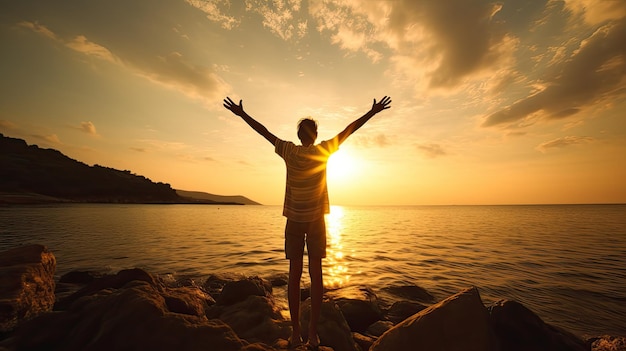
(342, 165)
(337, 273)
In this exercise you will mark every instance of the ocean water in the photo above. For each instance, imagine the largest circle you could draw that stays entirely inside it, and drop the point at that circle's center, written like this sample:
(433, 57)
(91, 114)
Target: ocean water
(567, 263)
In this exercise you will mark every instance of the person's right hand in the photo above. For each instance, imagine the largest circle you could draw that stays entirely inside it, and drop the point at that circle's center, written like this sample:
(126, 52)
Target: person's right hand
(234, 108)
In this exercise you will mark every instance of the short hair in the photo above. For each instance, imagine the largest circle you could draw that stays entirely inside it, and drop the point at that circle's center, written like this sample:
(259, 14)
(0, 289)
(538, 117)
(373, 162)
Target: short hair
(307, 129)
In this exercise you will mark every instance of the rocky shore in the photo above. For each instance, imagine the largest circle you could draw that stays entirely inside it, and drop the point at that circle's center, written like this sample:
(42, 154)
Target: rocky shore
(135, 310)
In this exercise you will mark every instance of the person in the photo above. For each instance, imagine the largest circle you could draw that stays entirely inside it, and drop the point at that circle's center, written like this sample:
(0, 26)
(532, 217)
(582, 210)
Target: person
(305, 204)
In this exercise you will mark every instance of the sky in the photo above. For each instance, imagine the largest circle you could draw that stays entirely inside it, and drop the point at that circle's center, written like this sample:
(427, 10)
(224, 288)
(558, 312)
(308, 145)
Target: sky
(509, 102)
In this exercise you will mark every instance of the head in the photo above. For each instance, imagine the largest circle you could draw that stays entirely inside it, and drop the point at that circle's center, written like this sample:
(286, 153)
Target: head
(307, 131)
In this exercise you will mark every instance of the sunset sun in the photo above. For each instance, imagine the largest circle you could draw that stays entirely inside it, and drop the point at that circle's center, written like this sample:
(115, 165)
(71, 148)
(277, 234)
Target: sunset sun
(342, 165)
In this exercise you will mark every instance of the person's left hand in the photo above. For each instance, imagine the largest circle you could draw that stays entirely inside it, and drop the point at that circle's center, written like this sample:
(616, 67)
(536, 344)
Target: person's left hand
(383, 104)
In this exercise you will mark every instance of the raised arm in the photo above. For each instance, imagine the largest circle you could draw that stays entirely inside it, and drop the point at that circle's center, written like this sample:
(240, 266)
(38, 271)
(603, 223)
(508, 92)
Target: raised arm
(258, 127)
(383, 104)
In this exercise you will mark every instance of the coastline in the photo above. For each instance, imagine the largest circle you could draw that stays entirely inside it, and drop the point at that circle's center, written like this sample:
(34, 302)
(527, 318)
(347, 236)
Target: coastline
(39, 199)
(244, 312)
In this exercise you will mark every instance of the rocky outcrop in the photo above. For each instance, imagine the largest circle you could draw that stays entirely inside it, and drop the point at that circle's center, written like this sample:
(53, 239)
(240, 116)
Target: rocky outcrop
(519, 329)
(26, 284)
(134, 317)
(460, 322)
(134, 309)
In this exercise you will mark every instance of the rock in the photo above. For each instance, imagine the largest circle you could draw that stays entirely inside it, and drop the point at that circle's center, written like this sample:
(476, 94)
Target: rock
(216, 282)
(379, 328)
(410, 292)
(519, 329)
(135, 317)
(460, 322)
(364, 341)
(279, 279)
(401, 310)
(239, 290)
(115, 281)
(359, 306)
(608, 343)
(187, 300)
(256, 319)
(332, 328)
(26, 284)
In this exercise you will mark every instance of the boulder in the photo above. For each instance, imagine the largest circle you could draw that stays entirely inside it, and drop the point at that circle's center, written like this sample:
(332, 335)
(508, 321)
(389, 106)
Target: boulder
(359, 306)
(238, 291)
(109, 281)
(187, 300)
(458, 323)
(26, 284)
(379, 328)
(519, 329)
(135, 317)
(364, 341)
(332, 328)
(256, 319)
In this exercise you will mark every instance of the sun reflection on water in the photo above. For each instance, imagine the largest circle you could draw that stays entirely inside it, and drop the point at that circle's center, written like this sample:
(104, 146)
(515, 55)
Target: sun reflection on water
(336, 269)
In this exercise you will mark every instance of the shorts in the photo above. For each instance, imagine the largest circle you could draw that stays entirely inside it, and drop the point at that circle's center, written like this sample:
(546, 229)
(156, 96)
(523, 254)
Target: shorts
(313, 233)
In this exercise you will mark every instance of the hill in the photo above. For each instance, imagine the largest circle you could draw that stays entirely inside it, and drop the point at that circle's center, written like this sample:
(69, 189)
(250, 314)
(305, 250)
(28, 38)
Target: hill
(30, 174)
(197, 195)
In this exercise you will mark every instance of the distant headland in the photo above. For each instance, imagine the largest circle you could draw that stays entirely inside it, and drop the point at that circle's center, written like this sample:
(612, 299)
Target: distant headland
(33, 175)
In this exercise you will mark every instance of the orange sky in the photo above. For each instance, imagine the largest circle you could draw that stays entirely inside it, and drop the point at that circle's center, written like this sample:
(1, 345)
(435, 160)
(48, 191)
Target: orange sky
(493, 103)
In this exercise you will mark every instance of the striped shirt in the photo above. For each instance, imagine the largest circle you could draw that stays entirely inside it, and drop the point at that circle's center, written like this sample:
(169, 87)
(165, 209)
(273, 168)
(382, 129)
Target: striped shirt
(306, 192)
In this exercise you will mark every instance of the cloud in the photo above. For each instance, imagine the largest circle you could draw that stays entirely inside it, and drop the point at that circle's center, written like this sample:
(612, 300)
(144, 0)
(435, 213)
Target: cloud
(215, 11)
(37, 28)
(564, 142)
(88, 127)
(432, 150)
(50, 138)
(8, 125)
(138, 149)
(282, 17)
(172, 70)
(84, 46)
(443, 42)
(594, 73)
(379, 140)
(597, 11)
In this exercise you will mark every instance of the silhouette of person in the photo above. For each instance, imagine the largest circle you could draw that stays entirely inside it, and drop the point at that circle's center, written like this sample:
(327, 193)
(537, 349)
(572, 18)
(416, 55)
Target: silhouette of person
(306, 203)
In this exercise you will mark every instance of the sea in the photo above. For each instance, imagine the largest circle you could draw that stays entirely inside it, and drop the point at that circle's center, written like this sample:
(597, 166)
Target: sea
(566, 263)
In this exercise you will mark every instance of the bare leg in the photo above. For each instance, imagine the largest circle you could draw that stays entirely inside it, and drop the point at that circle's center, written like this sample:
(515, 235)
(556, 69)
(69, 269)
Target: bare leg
(293, 295)
(315, 272)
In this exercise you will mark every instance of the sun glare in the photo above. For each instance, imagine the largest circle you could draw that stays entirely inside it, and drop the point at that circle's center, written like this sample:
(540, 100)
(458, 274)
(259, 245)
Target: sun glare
(336, 268)
(341, 166)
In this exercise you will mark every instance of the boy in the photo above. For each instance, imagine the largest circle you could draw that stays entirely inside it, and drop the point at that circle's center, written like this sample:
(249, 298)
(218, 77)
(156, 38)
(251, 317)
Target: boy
(306, 203)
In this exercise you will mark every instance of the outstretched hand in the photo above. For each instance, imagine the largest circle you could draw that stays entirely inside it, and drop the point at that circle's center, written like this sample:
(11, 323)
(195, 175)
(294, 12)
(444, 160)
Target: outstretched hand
(234, 108)
(383, 104)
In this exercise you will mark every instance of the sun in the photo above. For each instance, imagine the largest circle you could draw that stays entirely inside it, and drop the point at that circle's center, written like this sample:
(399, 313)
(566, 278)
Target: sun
(342, 165)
